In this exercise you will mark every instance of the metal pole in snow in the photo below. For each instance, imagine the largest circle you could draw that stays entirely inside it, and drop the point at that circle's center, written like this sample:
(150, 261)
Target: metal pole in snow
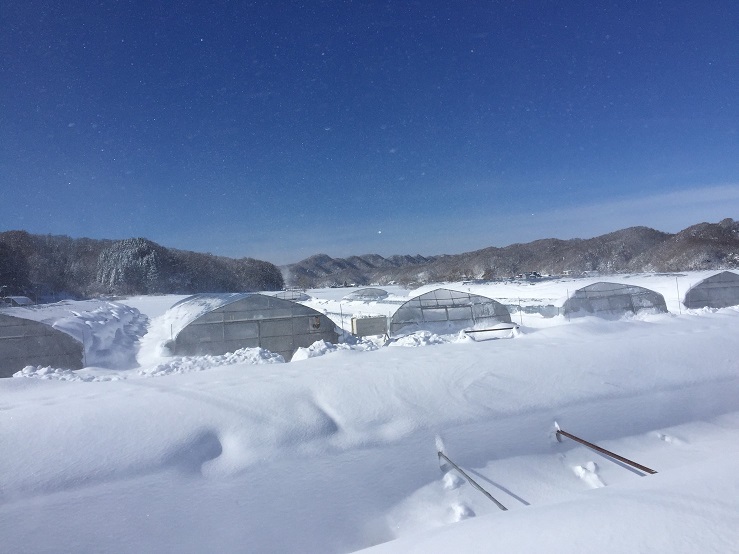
(679, 307)
(520, 312)
(604, 451)
(472, 481)
(84, 349)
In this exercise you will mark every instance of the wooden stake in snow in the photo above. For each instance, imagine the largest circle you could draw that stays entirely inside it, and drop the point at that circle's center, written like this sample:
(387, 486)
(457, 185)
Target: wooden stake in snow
(470, 479)
(597, 448)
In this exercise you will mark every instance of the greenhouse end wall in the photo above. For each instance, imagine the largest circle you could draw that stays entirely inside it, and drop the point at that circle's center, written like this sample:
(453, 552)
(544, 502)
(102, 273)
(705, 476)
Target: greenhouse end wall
(448, 311)
(718, 291)
(25, 342)
(613, 300)
(256, 320)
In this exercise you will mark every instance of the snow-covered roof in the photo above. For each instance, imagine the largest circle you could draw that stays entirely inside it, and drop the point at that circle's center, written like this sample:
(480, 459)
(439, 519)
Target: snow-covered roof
(53, 313)
(604, 288)
(187, 310)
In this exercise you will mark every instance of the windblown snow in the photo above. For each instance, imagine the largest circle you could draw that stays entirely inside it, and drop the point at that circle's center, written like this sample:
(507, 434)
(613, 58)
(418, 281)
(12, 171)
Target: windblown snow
(337, 451)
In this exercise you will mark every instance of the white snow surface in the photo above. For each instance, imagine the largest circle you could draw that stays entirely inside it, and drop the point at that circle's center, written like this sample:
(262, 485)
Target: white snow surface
(336, 451)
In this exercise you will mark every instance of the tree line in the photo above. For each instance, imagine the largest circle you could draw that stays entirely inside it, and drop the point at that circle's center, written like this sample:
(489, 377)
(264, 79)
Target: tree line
(48, 267)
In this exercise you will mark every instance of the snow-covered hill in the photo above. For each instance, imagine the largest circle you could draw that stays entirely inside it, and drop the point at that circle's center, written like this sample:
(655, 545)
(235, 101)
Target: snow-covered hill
(337, 451)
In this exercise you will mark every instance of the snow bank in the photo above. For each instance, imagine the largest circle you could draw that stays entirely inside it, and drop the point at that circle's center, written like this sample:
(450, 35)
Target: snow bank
(189, 364)
(60, 374)
(420, 338)
(179, 365)
(110, 334)
(321, 348)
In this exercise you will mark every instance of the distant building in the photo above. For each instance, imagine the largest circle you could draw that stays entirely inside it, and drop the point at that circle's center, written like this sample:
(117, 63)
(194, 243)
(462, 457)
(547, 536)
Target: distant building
(16, 301)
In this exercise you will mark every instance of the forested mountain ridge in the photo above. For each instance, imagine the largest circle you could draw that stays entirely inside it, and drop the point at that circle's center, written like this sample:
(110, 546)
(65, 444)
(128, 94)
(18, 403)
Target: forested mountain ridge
(48, 267)
(44, 266)
(634, 249)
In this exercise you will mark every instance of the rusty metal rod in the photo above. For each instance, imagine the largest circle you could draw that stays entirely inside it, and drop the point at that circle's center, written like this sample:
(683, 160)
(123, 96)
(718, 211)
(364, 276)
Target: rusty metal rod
(604, 451)
(472, 481)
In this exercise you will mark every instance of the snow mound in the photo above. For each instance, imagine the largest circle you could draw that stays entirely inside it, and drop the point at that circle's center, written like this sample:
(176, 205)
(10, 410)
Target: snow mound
(59, 374)
(186, 364)
(109, 334)
(190, 364)
(321, 348)
(421, 338)
(452, 481)
(461, 511)
(589, 474)
(427, 338)
(109, 331)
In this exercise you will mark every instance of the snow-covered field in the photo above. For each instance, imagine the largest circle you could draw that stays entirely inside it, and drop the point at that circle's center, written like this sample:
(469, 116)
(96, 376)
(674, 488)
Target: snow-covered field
(336, 451)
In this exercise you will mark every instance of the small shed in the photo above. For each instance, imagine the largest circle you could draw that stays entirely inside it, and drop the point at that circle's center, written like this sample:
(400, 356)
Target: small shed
(219, 323)
(718, 291)
(448, 311)
(25, 342)
(613, 300)
(16, 301)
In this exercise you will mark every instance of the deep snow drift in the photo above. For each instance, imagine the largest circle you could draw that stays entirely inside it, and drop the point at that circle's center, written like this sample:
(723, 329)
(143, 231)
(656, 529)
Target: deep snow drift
(336, 450)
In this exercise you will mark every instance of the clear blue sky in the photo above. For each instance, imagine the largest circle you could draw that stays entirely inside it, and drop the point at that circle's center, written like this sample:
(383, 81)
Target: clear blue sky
(278, 130)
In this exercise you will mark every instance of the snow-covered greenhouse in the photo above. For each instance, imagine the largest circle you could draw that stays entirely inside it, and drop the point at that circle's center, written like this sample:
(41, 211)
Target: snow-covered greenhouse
(613, 300)
(294, 295)
(448, 311)
(369, 294)
(25, 341)
(718, 291)
(220, 323)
